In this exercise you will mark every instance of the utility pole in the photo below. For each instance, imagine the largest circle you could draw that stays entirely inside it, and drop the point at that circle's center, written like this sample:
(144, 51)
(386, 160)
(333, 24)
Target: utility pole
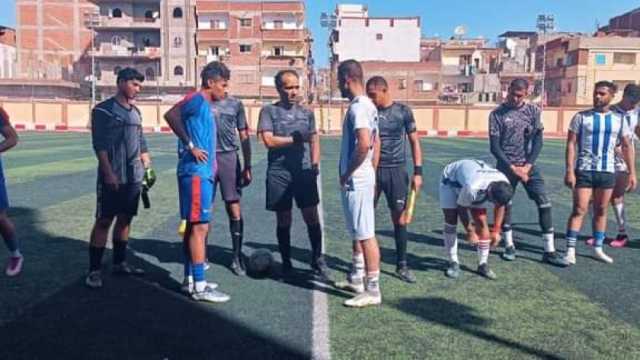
(545, 23)
(91, 20)
(329, 22)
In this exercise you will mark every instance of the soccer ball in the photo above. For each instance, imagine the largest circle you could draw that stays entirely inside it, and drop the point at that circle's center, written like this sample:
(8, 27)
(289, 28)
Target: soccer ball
(260, 261)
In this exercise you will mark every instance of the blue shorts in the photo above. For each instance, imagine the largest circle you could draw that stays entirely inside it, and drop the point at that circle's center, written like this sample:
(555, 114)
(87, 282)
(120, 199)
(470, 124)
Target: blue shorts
(196, 197)
(4, 198)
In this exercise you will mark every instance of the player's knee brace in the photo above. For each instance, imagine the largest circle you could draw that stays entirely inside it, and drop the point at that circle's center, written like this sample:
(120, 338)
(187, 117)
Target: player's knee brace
(544, 213)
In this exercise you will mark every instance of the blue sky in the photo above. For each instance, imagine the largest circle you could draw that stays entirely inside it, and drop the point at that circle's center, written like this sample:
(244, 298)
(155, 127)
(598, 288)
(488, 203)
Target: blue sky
(487, 18)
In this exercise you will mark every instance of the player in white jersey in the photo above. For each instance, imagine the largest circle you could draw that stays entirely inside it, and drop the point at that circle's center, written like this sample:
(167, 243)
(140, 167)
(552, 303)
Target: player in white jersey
(360, 144)
(590, 165)
(628, 107)
(470, 185)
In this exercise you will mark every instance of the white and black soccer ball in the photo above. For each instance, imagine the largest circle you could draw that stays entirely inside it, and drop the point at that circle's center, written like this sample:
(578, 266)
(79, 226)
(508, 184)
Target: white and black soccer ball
(260, 262)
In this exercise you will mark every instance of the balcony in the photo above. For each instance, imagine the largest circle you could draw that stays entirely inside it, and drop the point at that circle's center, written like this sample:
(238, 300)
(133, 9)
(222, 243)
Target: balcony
(212, 35)
(283, 34)
(128, 23)
(107, 51)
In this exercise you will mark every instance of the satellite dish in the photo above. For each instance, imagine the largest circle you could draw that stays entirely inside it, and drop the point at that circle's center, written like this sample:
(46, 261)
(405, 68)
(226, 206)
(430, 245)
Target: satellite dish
(460, 31)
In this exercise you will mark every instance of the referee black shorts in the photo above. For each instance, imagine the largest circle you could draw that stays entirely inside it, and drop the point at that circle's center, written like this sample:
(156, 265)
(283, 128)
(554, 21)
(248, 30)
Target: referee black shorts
(394, 183)
(283, 186)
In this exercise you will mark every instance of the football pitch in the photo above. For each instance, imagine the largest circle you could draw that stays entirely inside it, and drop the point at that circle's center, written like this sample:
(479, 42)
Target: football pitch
(532, 311)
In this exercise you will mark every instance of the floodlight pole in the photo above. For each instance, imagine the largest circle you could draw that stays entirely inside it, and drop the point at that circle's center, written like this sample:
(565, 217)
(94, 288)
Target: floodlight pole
(329, 22)
(544, 24)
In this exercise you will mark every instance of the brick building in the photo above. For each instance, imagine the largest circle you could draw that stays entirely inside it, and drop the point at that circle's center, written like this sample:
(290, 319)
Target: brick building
(255, 39)
(7, 52)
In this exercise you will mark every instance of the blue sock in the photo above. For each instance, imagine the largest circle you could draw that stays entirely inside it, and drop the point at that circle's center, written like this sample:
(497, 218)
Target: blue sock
(188, 271)
(599, 236)
(572, 238)
(198, 272)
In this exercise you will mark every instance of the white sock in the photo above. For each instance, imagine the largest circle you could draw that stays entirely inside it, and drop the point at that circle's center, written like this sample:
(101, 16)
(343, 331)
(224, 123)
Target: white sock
(483, 251)
(358, 266)
(621, 218)
(373, 281)
(200, 286)
(549, 243)
(451, 242)
(508, 238)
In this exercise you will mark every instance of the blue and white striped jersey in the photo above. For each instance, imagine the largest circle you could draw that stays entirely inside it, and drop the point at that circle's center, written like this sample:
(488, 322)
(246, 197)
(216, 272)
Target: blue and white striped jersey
(631, 118)
(597, 135)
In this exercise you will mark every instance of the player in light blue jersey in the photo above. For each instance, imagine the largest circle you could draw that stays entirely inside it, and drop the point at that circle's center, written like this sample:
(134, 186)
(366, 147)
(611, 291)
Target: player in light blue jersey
(590, 163)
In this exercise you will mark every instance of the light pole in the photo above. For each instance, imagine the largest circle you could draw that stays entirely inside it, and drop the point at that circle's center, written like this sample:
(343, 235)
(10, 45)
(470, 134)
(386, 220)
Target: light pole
(91, 20)
(544, 24)
(329, 22)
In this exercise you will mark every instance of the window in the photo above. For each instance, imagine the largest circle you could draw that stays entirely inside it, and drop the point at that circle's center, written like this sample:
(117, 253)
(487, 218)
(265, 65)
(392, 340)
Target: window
(116, 40)
(150, 74)
(148, 14)
(116, 70)
(624, 58)
(378, 36)
(278, 24)
(214, 50)
(116, 13)
(218, 24)
(601, 59)
(245, 48)
(402, 84)
(245, 22)
(177, 13)
(146, 42)
(177, 42)
(423, 86)
(178, 71)
(278, 51)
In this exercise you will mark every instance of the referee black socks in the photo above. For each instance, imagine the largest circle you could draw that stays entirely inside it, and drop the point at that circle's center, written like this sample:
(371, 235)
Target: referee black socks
(315, 237)
(284, 243)
(401, 236)
(236, 228)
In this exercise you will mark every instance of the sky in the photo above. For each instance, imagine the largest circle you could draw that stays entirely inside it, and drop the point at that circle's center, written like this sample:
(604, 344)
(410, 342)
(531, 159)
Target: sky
(487, 18)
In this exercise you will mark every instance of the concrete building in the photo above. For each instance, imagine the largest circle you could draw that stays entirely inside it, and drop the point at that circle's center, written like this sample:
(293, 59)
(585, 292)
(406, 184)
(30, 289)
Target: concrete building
(255, 39)
(154, 36)
(627, 24)
(7, 52)
(575, 63)
(364, 38)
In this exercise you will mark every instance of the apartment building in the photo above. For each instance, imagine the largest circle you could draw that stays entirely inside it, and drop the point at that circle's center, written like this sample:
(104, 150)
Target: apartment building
(7, 52)
(256, 39)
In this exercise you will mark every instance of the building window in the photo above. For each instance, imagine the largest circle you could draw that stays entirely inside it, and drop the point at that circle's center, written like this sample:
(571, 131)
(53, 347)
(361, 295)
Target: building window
(278, 51)
(402, 84)
(177, 13)
(177, 42)
(146, 42)
(278, 24)
(214, 50)
(218, 25)
(624, 58)
(245, 48)
(116, 40)
(245, 22)
(379, 37)
(116, 13)
(148, 15)
(423, 86)
(150, 74)
(601, 59)
(178, 71)
(116, 70)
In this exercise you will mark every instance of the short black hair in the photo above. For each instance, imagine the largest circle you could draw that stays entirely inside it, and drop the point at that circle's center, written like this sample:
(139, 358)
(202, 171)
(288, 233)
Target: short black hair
(378, 81)
(632, 91)
(128, 74)
(280, 75)
(351, 69)
(214, 70)
(501, 192)
(519, 84)
(613, 88)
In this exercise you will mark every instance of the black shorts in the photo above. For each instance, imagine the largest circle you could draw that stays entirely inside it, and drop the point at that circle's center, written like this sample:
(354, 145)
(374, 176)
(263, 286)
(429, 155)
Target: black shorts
(229, 176)
(535, 187)
(595, 179)
(124, 201)
(283, 186)
(394, 183)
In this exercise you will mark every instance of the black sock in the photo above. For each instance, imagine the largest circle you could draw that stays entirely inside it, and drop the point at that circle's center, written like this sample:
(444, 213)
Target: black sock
(402, 237)
(284, 243)
(119, 251)
(315, 237)
(95, 257)
(236, 229)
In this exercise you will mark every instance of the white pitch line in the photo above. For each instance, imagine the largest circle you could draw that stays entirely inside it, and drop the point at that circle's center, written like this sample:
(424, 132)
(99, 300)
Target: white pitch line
(320, 321)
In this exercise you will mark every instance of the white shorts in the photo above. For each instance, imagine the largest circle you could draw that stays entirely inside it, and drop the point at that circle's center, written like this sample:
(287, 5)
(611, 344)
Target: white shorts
(449, 198)
(359, 212)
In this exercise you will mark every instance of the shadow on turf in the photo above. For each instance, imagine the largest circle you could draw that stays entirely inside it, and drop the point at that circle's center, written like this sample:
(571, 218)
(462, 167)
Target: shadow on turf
(51, 314)
(464, 319)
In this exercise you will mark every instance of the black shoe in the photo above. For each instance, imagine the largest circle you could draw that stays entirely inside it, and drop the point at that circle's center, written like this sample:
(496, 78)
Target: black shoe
(124, 269)
(486, 272)
(509, 253)
(453, 271)
(405, 274)
(237, 267)
(321, 272)
(553, 258)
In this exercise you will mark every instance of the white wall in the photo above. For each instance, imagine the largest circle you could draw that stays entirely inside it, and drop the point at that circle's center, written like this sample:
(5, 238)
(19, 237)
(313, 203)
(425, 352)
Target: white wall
(7, 61)
(205, 21)
(358, 41)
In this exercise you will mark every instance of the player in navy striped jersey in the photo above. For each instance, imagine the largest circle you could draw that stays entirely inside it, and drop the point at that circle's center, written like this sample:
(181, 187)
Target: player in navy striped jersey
(590, 163)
